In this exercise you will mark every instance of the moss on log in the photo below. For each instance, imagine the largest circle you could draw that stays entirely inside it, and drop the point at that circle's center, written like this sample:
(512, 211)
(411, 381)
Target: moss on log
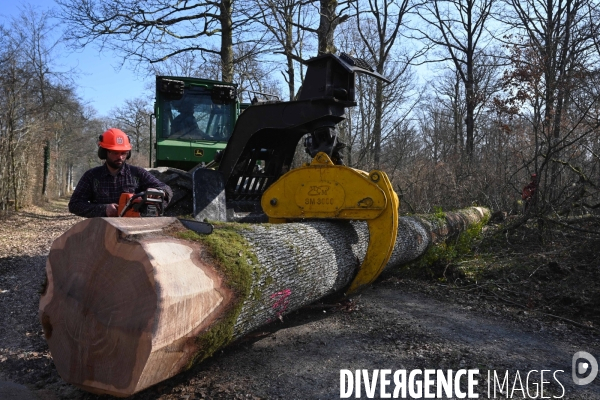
(131, 302)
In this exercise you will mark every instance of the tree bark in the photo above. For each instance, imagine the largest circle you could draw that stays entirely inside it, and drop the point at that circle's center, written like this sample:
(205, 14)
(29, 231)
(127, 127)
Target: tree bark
(46, 168)
(131, 302)
(329, 20)
(226, 8)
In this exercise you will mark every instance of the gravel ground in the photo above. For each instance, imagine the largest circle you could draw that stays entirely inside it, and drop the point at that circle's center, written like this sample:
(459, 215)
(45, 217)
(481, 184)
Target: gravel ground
(397, 324)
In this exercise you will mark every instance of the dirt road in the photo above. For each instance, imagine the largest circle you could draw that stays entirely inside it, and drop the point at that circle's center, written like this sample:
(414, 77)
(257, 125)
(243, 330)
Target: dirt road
(397, 324)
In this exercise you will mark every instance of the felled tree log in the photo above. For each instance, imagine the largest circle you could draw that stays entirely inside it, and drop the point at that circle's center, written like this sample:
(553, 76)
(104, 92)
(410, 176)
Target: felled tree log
(131, 302)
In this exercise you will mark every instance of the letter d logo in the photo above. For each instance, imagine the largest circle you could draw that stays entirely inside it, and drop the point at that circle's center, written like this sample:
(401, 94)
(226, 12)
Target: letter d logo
(581, 367)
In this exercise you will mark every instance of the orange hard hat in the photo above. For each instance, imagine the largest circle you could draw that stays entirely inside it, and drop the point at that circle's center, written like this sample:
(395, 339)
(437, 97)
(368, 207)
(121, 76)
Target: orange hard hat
(114, 139)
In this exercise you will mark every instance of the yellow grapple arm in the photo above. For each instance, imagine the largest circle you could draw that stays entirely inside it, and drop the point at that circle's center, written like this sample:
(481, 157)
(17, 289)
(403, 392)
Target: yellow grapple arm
(322, 190)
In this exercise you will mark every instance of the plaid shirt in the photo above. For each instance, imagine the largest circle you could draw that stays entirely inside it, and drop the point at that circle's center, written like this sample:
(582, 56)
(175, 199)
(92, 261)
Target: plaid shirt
(97, 188)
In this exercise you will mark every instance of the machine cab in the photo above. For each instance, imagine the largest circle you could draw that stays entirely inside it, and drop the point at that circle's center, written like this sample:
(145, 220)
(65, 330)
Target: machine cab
(195, 118)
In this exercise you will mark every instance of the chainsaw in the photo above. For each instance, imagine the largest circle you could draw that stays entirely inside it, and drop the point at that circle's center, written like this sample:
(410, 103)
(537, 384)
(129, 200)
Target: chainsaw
(143, 204)
(150, 204)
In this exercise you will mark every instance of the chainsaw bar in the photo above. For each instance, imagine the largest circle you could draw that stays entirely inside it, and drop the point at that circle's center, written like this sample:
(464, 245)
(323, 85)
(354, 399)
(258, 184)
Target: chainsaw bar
(199, 227)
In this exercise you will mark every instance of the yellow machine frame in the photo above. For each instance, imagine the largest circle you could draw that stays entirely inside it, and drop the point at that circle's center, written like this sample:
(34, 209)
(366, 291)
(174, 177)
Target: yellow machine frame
(323, 190)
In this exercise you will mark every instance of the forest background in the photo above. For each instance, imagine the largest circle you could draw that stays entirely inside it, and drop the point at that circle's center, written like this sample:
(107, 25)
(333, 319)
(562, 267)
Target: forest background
(483, 93)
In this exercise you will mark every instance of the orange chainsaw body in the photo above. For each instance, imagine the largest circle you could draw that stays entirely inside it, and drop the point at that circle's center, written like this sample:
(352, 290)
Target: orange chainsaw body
(123, 202)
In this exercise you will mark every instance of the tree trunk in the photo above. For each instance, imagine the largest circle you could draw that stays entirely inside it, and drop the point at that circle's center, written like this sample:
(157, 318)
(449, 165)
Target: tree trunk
(327, 23)
(131, 302)
(46, 168)
(226, 9)
(378, 121)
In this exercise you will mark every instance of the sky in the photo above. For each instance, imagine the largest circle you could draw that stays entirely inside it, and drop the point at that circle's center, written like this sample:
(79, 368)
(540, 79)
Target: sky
(99, 82)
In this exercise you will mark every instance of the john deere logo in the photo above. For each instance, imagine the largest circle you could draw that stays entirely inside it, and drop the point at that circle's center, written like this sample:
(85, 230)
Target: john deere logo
(198, 152)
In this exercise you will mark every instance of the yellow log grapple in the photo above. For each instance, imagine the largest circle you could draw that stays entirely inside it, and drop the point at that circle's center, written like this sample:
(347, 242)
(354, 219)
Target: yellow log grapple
(322, 190)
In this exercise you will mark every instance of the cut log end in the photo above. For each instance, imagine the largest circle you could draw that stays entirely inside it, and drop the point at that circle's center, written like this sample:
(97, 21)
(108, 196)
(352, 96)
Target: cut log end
(122, 315)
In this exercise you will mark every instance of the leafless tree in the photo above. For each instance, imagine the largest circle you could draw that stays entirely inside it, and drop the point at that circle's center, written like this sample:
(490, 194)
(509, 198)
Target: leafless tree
(39, 113)
(287, 22)
(554, 58)
(33, 28)
(457, 28)
(153, 31)
(17, 121)
(379, 24)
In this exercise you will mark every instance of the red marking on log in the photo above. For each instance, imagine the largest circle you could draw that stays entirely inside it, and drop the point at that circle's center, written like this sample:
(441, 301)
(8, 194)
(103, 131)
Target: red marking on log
(282, 300)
